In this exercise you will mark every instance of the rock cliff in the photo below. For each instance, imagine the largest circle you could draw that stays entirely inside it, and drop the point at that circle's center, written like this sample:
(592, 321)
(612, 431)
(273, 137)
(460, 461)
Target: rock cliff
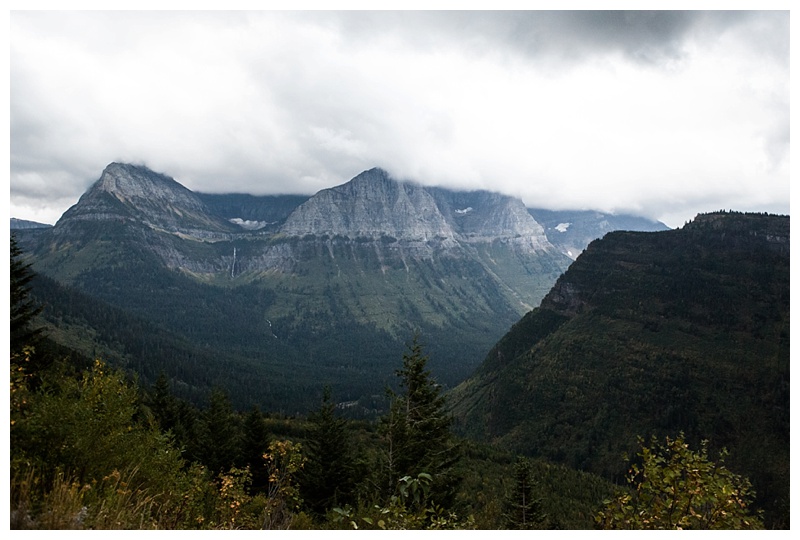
(133, 193)
(373, 205)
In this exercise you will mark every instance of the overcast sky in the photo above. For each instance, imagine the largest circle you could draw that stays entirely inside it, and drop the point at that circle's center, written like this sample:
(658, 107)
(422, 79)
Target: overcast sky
(662, 114)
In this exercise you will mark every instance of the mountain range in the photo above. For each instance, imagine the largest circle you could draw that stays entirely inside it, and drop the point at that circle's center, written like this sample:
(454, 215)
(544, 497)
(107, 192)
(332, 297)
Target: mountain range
(307, 290)
(596, 333)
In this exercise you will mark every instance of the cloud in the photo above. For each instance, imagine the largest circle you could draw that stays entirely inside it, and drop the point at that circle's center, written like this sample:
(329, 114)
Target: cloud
(659, 113)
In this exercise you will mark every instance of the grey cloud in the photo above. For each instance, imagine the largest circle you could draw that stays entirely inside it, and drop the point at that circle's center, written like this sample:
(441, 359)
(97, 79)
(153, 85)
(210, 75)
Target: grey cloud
(642, 36)
(293, 102)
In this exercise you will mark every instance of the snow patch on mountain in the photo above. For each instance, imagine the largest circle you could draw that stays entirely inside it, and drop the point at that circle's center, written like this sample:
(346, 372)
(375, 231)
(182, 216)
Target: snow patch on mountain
(248, 224)
(562, 227)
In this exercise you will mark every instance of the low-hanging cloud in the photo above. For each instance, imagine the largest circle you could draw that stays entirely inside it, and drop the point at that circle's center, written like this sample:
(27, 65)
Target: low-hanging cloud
(658, 113)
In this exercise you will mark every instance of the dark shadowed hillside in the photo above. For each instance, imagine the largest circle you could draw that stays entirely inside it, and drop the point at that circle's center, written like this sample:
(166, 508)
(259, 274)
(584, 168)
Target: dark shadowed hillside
(652, 334)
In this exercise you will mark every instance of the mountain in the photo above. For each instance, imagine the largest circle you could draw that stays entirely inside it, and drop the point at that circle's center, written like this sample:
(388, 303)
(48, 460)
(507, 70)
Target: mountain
(126, 193)
(572, 230)
(372, 205)
(300, 291)
(652, 334)
(25, 224)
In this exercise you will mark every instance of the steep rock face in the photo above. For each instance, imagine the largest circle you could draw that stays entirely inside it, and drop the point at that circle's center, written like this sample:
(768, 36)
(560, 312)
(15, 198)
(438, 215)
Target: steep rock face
(374, 206)
(483, 216)
(133, 193)
(371, 205)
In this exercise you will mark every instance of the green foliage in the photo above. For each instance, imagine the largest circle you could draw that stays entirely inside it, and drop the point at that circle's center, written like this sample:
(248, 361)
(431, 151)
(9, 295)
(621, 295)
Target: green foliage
(84, 456)
(93, 421)
(333, 467)
(416, 431)
(409, 508)
(23, 307)
(284, 460)
(677, 488)
(522, 506)
(77, 442)
(684, 330)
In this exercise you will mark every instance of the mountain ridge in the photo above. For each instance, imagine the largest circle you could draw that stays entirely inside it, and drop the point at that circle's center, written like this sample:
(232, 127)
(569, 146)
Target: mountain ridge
(651, 333)
(127, 192)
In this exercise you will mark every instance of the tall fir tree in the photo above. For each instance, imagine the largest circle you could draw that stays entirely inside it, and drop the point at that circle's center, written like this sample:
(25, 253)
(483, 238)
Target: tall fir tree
(23, 307)
(255, 441)
(178, 417)
(523, 510)
(163, 403)
(329, 476)
(220, 434)
(417, 433)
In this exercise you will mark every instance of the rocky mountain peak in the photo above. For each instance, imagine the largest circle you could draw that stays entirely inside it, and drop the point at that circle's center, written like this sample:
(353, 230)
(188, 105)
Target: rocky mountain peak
(133, 192)
(371, 205)
(375, 205)
(138, 185)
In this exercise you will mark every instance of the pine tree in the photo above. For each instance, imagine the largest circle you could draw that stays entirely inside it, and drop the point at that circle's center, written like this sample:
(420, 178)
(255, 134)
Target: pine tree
(220, 433)
(255, 441)
(329, 476)
(178, 417)
(417, 431)
(23, 308)
(163, 404)
(522, 507)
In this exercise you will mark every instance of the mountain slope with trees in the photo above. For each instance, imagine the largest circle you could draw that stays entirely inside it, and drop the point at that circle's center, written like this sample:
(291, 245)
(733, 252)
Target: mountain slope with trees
(91, 449)
(274, 297)
(652, 334)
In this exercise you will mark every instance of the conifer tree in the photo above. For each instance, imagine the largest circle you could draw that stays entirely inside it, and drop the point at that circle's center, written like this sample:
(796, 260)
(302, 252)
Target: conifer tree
(255, 441)
(220, 433)
(23, 308)
(189, 431)
(417, 431)
(522, 507)
(163, 403)
(329, 476)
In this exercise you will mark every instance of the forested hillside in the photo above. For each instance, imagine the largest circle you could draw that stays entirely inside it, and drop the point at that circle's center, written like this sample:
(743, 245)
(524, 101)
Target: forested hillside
(652, 334)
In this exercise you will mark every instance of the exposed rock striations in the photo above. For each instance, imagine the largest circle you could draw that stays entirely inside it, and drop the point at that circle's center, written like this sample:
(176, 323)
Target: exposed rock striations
(373, 206)
(130, 193)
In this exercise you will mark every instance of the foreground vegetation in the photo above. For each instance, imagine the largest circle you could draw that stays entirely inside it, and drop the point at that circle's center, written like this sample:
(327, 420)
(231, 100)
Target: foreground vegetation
(89, 452)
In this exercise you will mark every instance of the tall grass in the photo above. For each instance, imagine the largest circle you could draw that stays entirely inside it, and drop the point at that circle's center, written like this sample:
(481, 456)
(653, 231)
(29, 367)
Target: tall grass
(67, 503)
